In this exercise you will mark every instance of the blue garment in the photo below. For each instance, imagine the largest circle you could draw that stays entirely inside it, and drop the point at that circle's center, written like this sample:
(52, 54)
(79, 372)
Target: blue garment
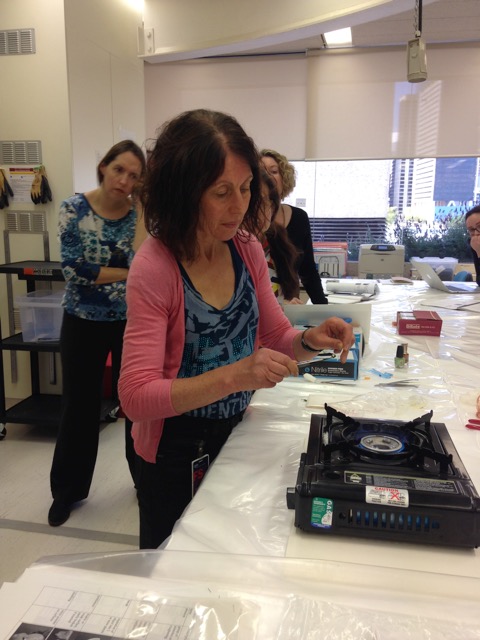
(216, 337)
(88, 242)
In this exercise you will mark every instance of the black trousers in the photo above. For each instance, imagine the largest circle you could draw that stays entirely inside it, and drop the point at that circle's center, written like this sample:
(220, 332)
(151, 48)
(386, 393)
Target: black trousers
(84, 348)
(164, 489)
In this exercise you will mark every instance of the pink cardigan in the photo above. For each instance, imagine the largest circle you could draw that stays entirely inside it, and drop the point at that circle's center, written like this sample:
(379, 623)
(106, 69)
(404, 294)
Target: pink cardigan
(154, 337)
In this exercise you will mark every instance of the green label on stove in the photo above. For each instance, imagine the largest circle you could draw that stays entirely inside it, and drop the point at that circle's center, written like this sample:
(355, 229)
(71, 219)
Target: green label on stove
(322, 513)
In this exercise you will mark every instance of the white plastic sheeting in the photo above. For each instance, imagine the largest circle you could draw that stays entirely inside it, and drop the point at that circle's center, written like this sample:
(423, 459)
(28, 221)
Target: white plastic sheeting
(241, 505)
(236, 545)
(245, 597)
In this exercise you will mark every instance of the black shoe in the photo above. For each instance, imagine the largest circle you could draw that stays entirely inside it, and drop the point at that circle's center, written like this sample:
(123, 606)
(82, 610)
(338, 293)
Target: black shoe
(58, 514)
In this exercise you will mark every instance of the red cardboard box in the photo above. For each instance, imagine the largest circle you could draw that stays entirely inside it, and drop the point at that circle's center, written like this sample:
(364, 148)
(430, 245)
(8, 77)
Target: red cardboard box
(419, 323)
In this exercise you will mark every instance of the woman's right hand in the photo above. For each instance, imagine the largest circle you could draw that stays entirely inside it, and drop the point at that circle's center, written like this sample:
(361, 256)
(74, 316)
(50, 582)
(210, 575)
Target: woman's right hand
(263, 370)
(475, 244)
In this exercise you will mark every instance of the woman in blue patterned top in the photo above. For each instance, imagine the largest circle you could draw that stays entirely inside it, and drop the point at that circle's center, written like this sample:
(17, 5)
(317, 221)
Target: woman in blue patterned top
(98, 233)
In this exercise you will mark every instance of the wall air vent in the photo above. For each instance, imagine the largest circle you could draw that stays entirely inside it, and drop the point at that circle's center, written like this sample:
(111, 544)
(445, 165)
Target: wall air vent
(17, 42)
(20, 152)
(26, 221)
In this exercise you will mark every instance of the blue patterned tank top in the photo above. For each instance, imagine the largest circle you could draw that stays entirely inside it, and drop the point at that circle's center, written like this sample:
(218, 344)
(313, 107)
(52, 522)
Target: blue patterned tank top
(216, 337)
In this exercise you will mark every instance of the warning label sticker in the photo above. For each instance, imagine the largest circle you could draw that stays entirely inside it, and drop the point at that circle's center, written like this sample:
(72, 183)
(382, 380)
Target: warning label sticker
(401, 482)
(386, 496)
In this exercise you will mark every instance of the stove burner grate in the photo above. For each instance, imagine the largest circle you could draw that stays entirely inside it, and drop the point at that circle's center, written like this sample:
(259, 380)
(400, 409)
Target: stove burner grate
(377, 442)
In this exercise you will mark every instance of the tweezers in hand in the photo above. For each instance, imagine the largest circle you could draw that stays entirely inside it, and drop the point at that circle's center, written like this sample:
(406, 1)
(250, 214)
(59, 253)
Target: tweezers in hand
(399, 383)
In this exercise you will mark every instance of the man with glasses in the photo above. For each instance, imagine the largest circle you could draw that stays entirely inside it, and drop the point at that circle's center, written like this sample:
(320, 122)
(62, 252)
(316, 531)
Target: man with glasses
(472, 220)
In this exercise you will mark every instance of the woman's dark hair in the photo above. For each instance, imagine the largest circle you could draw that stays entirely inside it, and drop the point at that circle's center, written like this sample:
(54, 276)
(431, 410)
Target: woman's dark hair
(284, 253)
(475, 209)
(273, 195)
(121, 147)
(188, 156)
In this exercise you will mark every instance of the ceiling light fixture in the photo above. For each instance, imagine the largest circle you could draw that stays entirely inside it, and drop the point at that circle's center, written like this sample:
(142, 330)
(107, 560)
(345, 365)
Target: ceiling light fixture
(416, 50)
(338, 38)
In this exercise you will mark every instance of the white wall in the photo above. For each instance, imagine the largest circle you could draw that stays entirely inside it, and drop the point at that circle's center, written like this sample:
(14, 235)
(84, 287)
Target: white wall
(79, 93)
(267, 95)
(34, 99)
(34, 106)
(360, 105)
(334, 106)
(105, 81)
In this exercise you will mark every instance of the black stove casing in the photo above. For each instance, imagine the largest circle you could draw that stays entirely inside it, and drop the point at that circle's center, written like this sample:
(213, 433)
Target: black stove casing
(334, 496)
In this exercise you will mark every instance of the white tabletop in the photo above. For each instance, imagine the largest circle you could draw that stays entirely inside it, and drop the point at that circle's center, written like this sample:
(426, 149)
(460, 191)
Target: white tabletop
(236, 550)
(241, 505)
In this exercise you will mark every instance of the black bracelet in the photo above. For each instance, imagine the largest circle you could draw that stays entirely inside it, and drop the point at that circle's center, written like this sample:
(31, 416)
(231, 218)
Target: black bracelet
(306, 346)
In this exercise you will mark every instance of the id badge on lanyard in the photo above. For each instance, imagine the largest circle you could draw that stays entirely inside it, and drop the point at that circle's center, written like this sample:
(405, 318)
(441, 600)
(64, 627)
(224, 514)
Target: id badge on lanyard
(199, 469)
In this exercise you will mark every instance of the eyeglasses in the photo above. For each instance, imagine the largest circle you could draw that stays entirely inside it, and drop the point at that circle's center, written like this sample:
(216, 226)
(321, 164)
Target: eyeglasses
(474, 231)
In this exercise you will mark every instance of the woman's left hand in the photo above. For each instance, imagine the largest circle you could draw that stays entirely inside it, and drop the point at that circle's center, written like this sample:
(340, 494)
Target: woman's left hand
(333, 333)
(293, 301)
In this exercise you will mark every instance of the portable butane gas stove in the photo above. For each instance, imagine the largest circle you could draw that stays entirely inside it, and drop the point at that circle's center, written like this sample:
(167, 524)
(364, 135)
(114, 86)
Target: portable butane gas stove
(388, 480)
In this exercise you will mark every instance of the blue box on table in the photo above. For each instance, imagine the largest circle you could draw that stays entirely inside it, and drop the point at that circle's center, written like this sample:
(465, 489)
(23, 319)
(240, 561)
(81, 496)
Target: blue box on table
(323, 366)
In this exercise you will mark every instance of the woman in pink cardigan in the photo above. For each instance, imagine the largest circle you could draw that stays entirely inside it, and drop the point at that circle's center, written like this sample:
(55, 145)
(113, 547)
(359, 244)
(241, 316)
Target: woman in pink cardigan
(200, 306)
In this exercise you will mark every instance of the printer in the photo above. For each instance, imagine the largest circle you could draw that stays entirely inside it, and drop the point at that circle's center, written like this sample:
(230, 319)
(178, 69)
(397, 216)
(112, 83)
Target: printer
(381, 260)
